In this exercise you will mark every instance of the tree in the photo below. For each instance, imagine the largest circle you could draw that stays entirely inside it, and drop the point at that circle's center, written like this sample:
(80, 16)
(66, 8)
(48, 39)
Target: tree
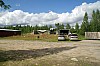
(72, 30)
(50, 26)
(45, 27)
(77, 28)
(36, 27)
(68, 26)
(95, 21)
(61, 26)
(85, 25)
(98, 20)
(92, 22)
(3, 5)
(57, 25)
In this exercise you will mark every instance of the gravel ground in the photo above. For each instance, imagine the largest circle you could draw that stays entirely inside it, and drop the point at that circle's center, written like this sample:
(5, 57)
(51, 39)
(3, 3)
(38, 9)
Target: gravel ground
(78, 50)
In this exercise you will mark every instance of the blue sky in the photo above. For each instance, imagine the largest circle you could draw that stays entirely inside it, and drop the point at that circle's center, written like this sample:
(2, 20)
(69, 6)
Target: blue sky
(38, 6)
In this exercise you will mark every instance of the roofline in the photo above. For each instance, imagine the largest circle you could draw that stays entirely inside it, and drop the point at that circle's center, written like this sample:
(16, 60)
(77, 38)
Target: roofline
(9, 30)
(64, 29)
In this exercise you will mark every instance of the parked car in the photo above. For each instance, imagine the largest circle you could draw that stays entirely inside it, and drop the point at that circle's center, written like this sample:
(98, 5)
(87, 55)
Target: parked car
(73, 37)
(61, 38)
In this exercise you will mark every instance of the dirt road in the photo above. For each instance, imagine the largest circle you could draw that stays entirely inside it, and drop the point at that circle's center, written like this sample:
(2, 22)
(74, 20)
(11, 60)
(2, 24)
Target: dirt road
(55, 53)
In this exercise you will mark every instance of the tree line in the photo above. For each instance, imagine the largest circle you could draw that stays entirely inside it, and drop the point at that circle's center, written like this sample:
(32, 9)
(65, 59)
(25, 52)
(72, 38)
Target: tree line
(92, 25)
(87, 25)
(26, 28)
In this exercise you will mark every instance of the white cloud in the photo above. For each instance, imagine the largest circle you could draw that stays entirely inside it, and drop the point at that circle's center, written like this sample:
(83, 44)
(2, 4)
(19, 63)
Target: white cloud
(78, 12)
(18, 16)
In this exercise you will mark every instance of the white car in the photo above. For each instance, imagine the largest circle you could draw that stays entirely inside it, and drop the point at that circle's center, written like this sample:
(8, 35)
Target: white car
(61, 38)
(73, 37)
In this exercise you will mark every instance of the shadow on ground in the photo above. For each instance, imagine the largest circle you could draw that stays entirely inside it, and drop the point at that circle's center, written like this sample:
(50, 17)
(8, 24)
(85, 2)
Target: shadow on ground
(18, 55)
(75, 40)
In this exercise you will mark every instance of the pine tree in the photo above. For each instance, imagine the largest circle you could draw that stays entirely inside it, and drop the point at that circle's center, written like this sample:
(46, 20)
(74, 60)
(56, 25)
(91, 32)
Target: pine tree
(61, 26)
(50, 26)
(46, 27)
(72, 30)
(68, 26)
(77, 28)
(92, 23)
(95, 21)
(98, 20)
(85, 25)
(57, 26)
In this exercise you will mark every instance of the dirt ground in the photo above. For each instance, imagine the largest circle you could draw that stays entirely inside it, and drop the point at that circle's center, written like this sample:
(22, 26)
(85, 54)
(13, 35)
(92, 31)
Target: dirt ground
(39, 53)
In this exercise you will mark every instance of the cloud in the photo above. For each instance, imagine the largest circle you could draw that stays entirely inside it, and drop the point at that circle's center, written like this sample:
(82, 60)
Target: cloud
(77, 14)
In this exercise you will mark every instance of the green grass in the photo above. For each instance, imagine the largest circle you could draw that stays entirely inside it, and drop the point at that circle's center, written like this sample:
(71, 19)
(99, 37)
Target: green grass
(42, 37)
(81, 37)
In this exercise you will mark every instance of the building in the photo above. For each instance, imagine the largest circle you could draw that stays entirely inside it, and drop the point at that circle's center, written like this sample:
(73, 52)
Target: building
(92, 35)
(40, 31)
(9, 32)
(52, 31)
(64, 32)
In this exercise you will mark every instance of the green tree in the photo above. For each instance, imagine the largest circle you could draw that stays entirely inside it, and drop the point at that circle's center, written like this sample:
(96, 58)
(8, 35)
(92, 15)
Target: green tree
(57, 26)
(44, 27)
(72, 30)
(61, 26)
(92, 22)
(50, 26)
(98, 20)
(68, 26)
(95, 21)
(3, 5)
(85, 25)
(36, 27)
(77, 28)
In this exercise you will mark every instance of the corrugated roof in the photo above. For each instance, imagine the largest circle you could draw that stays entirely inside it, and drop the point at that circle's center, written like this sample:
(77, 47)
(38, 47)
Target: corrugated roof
(9, 30)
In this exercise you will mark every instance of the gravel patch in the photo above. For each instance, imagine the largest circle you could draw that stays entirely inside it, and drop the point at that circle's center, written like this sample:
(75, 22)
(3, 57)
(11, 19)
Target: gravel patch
(87, 50)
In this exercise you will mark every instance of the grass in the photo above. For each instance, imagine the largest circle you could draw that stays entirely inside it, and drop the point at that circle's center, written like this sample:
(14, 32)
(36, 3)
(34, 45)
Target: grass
(42, 37)
(81, 37)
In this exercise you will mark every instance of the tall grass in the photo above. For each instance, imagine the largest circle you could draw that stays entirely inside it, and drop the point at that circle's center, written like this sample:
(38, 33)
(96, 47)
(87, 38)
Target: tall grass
(39, 37)
(42, 37)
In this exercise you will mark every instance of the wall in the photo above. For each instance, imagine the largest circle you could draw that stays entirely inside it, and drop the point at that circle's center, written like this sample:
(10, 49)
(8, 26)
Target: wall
(92, 35)
(9, 33)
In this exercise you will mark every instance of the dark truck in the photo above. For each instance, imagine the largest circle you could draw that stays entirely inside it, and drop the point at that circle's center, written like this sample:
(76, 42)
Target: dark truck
(62, 34)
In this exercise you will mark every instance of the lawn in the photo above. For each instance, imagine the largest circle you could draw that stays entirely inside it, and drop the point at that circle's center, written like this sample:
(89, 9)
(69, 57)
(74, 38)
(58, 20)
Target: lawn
(40, 37)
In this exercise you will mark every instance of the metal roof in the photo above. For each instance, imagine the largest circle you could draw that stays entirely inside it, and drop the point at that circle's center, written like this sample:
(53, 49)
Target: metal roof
(9, 30)
(42, 30)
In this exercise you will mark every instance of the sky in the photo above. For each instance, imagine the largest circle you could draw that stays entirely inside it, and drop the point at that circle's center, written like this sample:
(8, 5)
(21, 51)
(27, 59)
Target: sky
(38, 6)
(47, 12)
